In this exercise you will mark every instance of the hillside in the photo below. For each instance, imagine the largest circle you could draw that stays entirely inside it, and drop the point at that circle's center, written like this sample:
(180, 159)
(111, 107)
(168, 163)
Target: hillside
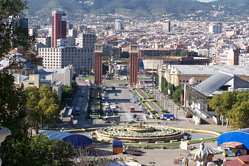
(177, 8)
(139, 7)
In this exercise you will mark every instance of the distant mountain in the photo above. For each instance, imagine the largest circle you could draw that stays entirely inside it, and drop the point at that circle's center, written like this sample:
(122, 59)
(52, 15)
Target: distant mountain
(136, 7)
(234, 7)
(37, 7)
(207, 1)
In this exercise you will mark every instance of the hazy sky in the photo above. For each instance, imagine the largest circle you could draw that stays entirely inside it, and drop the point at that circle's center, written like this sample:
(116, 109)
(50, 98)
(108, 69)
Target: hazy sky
(206, 0)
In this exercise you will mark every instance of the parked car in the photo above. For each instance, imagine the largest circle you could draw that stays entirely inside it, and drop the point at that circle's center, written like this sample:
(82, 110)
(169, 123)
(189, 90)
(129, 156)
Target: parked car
(187, 136)
(75, 121)
(168, 116)
(234, 152)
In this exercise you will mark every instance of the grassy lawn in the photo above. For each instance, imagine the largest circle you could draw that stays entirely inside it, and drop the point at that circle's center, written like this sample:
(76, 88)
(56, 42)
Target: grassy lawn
(168, 145)
(90, 78)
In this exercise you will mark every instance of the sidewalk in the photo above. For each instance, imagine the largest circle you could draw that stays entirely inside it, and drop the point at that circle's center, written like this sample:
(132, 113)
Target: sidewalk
(182, 121)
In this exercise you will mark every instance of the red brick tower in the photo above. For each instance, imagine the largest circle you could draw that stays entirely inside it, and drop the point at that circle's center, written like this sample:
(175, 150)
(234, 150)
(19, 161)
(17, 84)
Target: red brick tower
(133, 65)
(98, 64)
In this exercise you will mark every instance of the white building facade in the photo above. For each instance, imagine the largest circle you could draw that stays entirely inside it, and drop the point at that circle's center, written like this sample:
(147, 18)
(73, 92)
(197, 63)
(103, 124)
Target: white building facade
(58, 58)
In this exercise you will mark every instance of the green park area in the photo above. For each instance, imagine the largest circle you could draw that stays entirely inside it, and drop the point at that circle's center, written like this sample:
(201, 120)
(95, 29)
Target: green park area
(232, 106)
(89, 77)
(149, 102)
(174, 92)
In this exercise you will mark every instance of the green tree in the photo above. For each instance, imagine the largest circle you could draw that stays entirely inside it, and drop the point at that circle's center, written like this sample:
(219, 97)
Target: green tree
(12, 102)
(18, 149)
(241, 96)
(15, 151)
(221, 104)
(239, 115)
(37, 151)
(232, 105)
(164, 85)
(216, 105)
(228, 100)
(11, 34)
(42, 106)
(48, 104)
(67, 92)
(33, 111)
(51, 152)
(177, 93)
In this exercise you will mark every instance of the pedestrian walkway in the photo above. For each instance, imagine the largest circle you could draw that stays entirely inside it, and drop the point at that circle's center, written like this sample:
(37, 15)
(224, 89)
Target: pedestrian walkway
(183, 122)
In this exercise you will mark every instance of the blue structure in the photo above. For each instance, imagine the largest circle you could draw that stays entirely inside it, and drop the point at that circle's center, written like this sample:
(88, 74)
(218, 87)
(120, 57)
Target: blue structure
(117, 144)
(167, 116)
(241, 136)
(76, 140)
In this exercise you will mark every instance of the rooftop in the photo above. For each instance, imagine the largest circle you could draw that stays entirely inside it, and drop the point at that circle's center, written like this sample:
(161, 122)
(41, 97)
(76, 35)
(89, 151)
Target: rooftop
(45, 71)
(213, 83)
(210, 70)
(216, 81)
(76, 140)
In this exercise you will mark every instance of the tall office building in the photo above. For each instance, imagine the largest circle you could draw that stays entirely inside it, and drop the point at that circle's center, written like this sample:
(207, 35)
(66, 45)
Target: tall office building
(64, 49)
(63, 29)
(215, 28)
(133, 65)
(86, 40)
(57, 58)
(118, 25)
(59, 27)
(166, 26)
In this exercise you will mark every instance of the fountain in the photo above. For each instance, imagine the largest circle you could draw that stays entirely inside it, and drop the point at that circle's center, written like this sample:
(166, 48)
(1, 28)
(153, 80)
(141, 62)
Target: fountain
(138, 133)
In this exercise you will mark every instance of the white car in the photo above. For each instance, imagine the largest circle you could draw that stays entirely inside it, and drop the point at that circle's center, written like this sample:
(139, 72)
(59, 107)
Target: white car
(75, 122)
(113, 106)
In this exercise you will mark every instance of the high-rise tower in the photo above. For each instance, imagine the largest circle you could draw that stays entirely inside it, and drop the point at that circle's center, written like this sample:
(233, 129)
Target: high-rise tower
(59, 27)
(63, 29)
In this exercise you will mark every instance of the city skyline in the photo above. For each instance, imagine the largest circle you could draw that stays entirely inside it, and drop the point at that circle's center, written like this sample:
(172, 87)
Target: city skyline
(124, 83)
